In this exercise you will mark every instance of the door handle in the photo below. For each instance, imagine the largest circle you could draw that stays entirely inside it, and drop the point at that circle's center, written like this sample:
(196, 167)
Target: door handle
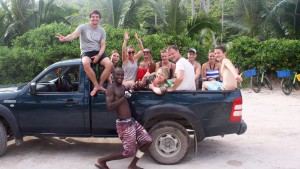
(71, 102)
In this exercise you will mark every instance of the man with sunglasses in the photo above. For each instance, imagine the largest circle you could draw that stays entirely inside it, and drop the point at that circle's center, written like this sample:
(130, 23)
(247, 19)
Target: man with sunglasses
(92, 45)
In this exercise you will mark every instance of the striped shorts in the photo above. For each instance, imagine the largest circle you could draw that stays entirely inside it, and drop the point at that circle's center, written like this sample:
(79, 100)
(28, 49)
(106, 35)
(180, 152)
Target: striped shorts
(131, 133)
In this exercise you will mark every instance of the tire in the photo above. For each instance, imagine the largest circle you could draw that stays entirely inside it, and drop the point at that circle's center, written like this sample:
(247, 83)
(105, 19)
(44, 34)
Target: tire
(286, 86)
(3, 139)
(268, 83)
(256, 86)
(171, 142)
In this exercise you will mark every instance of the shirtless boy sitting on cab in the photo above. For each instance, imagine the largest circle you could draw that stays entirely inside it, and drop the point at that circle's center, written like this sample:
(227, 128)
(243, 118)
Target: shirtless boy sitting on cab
(228, 72)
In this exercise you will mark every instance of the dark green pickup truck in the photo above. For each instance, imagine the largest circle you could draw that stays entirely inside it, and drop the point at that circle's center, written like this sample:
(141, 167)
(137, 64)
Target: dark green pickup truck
(57, 103)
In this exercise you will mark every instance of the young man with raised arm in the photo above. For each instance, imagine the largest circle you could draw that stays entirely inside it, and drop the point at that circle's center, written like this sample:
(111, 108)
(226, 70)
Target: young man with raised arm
(92, 46)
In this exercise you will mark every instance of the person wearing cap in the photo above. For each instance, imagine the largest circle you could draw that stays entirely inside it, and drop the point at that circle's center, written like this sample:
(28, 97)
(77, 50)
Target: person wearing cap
(192, 55)
(229, 74)
(184, 71)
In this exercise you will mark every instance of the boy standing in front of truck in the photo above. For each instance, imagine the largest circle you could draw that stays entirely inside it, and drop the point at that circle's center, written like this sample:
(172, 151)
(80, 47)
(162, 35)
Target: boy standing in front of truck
(227, 71)
(130, 131)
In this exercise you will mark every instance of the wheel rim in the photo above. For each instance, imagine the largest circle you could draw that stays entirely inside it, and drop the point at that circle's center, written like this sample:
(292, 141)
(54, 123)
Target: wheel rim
(167, 145)
(286, 86)
(256, 85)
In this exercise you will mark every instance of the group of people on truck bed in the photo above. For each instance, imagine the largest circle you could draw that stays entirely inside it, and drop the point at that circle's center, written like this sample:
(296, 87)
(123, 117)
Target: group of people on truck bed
(163, 76)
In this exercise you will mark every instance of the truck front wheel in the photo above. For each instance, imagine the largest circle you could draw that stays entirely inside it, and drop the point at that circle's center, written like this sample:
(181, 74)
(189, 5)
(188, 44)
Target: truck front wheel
(171, 142)
(3, 139)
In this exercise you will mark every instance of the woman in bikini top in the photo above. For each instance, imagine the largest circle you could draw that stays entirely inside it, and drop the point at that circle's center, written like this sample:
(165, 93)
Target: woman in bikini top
(211, 69)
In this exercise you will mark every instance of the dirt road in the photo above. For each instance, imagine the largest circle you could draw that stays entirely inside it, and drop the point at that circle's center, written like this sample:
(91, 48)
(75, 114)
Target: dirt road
(271, 142)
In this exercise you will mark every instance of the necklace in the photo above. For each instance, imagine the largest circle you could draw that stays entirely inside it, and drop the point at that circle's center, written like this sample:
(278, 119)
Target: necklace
(213, 67)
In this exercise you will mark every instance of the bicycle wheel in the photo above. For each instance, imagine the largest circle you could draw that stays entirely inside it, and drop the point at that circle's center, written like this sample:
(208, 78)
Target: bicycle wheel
(268, 83)
(286, 85)
(256, 86)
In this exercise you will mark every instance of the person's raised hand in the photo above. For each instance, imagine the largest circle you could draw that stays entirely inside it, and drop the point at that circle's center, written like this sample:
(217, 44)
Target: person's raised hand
(126, 36)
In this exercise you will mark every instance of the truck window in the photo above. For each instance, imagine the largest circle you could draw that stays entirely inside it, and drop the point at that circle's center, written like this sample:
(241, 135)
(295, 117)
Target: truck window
(60, 79)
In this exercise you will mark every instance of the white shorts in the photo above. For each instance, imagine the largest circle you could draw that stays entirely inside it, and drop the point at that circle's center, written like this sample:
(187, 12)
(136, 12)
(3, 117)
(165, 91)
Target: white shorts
(214, 85)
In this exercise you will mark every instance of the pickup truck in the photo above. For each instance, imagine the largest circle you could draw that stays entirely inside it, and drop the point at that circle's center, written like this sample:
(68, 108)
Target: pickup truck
(57, 103)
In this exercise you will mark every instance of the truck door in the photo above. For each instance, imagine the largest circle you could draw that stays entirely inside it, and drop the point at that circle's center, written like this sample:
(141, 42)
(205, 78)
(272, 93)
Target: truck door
(103, 121)
(58, 105)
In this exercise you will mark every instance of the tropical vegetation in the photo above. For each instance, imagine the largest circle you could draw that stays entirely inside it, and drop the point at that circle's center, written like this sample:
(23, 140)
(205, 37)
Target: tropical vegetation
(254, 31)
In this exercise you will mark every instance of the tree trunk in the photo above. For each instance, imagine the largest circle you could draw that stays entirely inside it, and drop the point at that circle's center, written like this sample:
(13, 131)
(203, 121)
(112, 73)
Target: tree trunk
(207, 5)
(193, 8)
(202, 6)
(222, 22)
(296, 7)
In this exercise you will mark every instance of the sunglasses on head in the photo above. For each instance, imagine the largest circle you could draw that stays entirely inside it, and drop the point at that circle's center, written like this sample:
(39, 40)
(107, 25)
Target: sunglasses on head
(131, 52)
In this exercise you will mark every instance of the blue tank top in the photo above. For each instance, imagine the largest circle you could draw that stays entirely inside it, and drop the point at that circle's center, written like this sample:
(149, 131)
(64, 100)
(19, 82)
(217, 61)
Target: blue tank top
(212, 73)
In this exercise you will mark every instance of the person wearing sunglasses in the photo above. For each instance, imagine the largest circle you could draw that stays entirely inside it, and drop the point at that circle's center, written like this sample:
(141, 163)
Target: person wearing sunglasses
(130, 60)
(146, 65)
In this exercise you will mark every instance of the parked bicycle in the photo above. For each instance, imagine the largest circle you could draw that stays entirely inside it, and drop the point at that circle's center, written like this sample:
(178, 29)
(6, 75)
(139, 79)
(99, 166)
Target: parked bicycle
(289, 80)
(258, 79)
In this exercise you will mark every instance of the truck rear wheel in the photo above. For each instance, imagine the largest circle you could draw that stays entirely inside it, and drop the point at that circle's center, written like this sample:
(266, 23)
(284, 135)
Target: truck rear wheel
(3, 139)
(171, 142)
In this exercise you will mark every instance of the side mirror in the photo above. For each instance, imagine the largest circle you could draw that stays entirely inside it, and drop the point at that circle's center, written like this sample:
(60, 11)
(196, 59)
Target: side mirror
(32, 89)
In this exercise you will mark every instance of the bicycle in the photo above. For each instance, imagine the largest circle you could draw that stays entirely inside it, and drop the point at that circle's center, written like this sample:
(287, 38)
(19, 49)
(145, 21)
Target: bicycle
(288, 81)
(258, 80)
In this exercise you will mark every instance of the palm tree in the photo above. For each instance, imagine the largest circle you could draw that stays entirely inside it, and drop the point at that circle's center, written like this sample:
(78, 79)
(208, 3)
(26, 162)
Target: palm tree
(17, 16)
(22, 15)
(284, 20)
(201, 22)
(251, 14)
(123, 13)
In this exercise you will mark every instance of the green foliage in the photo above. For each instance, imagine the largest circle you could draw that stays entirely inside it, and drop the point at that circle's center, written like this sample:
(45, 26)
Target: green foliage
(34, 51)
(38, 48)
(278, 54)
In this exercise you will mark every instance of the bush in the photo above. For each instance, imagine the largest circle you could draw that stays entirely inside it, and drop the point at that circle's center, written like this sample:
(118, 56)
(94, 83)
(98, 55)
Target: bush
(38, 48)
(278, 54)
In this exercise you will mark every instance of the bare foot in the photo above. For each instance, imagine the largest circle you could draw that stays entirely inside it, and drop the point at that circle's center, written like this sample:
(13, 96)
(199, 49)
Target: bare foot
(101, 164)
(94, 91)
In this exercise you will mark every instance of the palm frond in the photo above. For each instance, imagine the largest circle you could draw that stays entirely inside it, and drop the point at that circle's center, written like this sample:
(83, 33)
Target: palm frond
(201, 22)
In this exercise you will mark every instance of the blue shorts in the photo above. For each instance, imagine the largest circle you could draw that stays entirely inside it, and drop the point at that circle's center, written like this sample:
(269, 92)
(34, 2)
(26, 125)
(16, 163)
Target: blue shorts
(214, 85)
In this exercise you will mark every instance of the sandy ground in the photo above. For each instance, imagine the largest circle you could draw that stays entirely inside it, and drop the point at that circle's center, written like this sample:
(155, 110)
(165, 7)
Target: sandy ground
(271, 142)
